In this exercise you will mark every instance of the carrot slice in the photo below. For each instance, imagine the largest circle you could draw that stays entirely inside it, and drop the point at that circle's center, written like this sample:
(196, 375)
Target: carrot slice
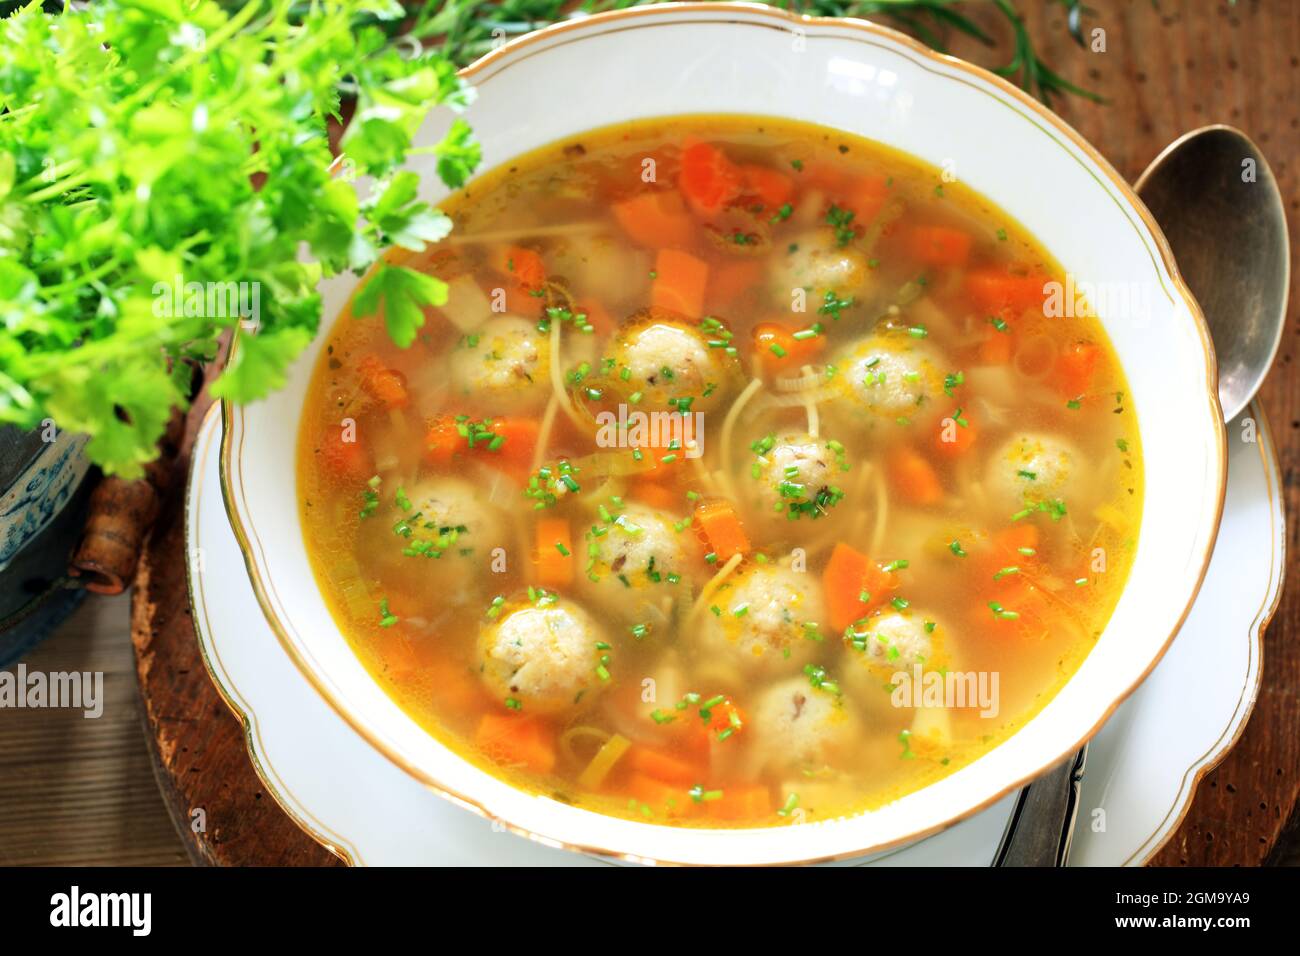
(1075, 368)
(866, 197)
(382, 383)
(721, 527)
(455, 687)
(344, 459)
(656, 219)
(680, 281)
(661, 766)
(442, 441)
(523, 265)
(997, 347)
(849, 577)
(598, 317)
(996, 291)
(708, 179)
(752, 802)
(778, 350)
(913, 477)
(726, 716)
(938, 245)
(661, 797)
(519, 740)
(772, 188)
(656, 495)
(514, 455)
(954, 440)
(555, 561)
(395, 651)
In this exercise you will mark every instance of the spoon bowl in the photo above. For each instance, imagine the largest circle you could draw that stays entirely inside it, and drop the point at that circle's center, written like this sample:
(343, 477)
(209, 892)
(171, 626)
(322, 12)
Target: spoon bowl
(1217, 201)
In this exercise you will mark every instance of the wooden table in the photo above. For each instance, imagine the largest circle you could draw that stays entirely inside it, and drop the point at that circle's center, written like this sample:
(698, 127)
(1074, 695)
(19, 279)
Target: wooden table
(1164, 70)
(1167, 70)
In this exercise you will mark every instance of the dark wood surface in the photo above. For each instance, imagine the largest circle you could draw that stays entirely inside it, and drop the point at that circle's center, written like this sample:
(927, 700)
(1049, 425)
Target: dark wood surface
(196, 742)
(1167, 68)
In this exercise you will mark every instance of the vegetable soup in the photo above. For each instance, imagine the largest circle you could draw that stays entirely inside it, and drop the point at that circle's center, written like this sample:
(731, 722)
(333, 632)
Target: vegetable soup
(751, 473)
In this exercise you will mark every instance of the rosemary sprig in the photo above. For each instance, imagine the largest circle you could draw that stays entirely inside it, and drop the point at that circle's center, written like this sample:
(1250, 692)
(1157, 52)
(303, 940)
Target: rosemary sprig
(467, 29)
(928, 20)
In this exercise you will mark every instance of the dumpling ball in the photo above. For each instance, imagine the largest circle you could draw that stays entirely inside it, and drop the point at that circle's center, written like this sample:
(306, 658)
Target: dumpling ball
(797, 474)
(817, 263)
(635, 556)
(886, 644)
(662, 361)
(766, 619)
(798, 725)
(893, 377)
(1031, 468)
(505, 364)
(543, 656)
(445, 524)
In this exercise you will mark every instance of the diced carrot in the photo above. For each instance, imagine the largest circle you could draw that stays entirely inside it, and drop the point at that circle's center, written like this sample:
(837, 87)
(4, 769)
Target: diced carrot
(382, 383)
(849, 577)
(738, 802)
(1010, 540)
(661, 766)
(344, 459)
(518, 740)
(997, 347)
(395, 651)
(708, 179)
(653, 456)
(442, 441)
(514, 456)
(523, 265)
(729, 281)
(1014, 590)
(455, 688)
(679, 283)
(726, 715)
(938, 245)
(954, 439)
(913, 477)
(658, 496)
(555, 560)
(690, 741)
(656, 219)
(778, 350)
(661, 797)
(866, 197)
(995, 291)
(769, 186)
(721, 527)
(598, 317)
(1075, 368)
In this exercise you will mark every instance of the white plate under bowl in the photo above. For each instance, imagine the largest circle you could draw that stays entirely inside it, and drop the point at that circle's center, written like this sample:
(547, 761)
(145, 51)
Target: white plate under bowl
(852, 75)
(1142, 766)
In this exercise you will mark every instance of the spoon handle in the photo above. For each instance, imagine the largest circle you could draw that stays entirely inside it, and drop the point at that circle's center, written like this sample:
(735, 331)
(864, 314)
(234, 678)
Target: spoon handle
(1042, 823)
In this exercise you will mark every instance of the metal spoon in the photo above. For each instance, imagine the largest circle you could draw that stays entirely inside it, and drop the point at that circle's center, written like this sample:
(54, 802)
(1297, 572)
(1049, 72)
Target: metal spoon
(1213, 194)
(1216, 200)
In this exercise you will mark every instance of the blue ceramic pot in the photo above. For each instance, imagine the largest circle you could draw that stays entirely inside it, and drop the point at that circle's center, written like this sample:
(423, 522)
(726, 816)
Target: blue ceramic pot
(43, 495)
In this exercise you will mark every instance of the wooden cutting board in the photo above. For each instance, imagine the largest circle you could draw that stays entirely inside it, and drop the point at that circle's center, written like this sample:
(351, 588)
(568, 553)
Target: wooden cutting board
(1165, 70)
